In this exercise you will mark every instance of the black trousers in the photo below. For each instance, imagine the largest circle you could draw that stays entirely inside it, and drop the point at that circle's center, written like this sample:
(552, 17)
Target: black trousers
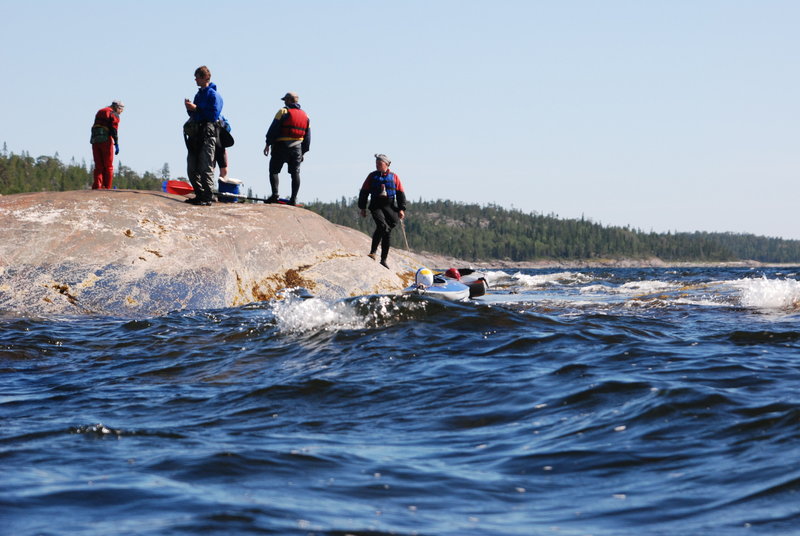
(386, 219)
(291, 154)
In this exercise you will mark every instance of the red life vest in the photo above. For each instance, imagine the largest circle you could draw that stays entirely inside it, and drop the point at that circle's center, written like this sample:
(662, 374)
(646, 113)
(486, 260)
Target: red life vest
(294, 124)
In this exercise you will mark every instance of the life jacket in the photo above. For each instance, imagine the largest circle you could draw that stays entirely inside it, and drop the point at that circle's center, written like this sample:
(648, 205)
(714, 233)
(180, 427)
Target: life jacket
(381, 184)
(294, 124)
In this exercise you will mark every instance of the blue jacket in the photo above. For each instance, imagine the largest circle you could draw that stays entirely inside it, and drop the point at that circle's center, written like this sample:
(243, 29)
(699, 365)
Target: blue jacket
(209, 104)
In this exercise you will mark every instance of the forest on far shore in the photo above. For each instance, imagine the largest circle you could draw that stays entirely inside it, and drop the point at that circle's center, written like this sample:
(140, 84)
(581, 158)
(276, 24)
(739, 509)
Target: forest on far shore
(466, 231)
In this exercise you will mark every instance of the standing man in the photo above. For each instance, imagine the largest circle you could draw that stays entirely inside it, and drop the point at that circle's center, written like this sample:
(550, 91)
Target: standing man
(105, 144)
(201, 133)
(290, 138)
(387, 204)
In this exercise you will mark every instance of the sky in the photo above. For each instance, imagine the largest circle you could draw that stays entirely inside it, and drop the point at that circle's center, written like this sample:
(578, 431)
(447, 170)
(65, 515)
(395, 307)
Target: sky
(665, 116)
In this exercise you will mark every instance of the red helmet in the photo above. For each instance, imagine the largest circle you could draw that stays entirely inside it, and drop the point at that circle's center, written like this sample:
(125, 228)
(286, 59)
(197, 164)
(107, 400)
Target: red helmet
(452, 273)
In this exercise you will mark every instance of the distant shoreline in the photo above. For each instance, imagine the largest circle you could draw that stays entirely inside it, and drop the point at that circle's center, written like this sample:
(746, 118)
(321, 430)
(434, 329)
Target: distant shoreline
(441, 261)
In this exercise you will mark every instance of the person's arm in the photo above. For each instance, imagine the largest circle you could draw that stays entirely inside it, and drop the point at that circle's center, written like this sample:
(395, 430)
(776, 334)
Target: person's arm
(307, 139)
(400, 197)
(363, 195)
(275, 127)
(215, 105)
(113, 129)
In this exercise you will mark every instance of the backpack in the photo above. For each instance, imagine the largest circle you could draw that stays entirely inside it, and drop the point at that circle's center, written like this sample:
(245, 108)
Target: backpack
(99, 135)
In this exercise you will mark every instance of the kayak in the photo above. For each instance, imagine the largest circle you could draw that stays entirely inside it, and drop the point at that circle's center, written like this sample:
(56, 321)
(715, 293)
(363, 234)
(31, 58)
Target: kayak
(436, 286)
(475, 280)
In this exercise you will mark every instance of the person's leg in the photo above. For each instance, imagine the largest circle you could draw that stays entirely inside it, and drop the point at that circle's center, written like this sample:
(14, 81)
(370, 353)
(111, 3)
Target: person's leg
(205, 171)
(192, 172)
(390, 219)
(108, 174)
(294, 156)
(276, 162)
(376, 241)
(221, 158)
(103, 164)
(97, 173)
(380, 236)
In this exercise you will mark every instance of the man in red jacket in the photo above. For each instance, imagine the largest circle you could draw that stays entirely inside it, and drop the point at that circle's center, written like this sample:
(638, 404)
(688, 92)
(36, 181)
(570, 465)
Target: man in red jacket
(105, 144)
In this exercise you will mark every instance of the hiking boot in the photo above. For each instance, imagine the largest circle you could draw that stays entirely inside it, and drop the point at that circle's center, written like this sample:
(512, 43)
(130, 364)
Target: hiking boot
(272, 199)
(292, 201)
(383, 263)
(194, 201)
(372, 256)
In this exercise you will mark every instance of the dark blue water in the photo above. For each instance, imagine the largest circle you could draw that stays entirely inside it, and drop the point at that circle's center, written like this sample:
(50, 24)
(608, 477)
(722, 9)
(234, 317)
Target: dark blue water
(602, 402)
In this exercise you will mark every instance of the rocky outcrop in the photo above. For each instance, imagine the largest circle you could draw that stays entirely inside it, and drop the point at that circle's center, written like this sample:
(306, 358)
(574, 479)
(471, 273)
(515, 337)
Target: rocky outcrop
(140, 253)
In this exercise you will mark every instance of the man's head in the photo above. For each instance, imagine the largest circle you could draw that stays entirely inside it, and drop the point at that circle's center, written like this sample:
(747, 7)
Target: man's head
(382, 162)
(202, 75)
(291, 98)
(117, 106)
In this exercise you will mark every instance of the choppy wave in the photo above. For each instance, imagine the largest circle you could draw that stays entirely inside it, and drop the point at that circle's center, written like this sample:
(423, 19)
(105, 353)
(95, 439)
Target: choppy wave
(658, 289)
(605, 402)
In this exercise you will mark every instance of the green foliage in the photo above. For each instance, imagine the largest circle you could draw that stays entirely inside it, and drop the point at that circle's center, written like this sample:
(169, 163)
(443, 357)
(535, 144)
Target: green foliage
(23, 173)
(473, 232)
(465, 231)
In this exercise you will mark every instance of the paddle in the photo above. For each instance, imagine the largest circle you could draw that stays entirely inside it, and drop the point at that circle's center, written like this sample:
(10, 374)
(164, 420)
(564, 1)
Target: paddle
(403, 228)
(239, 196)
(179, 188)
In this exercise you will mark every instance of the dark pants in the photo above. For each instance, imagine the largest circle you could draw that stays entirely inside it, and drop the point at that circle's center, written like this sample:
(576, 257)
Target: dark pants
(200, 161)
(386, 219)
(289, 153)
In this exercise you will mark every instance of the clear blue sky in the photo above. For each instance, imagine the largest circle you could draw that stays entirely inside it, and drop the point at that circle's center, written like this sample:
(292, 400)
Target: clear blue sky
(662, 115)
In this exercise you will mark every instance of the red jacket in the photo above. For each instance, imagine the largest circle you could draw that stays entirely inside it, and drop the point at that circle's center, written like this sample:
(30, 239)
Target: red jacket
(106, 118)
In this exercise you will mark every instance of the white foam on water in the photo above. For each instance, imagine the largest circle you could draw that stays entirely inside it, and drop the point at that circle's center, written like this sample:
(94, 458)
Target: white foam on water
(646, 287)
(766, 293)
(314, 314)
(560, 278)
(632, 288)
(495, 277)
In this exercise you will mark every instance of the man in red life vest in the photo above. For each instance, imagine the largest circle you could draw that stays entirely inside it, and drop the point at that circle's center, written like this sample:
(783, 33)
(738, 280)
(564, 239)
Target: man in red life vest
(289, 135)
(105, 144)
(387, 204)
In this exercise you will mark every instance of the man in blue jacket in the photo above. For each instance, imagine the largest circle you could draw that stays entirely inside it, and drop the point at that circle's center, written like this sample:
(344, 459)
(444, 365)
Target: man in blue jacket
(202, 136)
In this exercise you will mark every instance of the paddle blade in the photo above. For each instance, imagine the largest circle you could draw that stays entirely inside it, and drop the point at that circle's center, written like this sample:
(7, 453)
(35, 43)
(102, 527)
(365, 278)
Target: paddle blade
(179, 188)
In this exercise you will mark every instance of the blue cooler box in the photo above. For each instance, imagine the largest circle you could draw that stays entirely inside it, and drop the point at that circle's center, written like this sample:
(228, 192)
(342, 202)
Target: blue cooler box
(229, 186)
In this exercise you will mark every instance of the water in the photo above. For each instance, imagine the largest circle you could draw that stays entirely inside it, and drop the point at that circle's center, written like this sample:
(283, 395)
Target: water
(602, 402)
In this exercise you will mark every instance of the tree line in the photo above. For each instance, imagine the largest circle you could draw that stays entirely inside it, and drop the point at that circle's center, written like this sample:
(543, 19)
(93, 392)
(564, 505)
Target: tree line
(465, 231)
(479, 233)
(22, 173)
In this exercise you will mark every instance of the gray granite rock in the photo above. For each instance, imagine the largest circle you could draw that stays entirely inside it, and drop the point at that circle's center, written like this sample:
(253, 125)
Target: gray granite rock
(139, 253)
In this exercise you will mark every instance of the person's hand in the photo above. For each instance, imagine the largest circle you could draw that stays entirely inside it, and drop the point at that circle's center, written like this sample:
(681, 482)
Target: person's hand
(116, 148)
(402, 214)
(266, 150)
(363, 213)
(190, 106)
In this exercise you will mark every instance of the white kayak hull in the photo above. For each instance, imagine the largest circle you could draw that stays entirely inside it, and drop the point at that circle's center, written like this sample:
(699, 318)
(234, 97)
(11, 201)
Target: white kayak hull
(447, 290)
